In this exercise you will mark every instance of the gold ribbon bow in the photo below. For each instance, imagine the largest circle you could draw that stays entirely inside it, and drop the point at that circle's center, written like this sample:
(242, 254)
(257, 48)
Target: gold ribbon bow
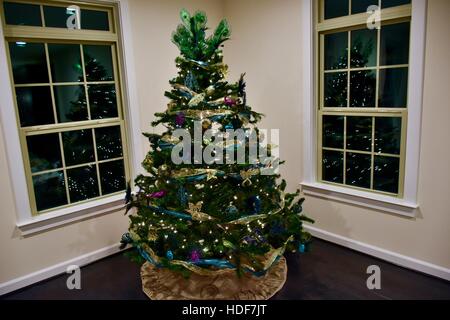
(196, 100)
(246, 175)
(195, 211)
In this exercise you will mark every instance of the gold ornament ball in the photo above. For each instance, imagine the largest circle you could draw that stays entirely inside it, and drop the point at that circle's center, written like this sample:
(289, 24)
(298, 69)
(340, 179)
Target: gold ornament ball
(206, 124)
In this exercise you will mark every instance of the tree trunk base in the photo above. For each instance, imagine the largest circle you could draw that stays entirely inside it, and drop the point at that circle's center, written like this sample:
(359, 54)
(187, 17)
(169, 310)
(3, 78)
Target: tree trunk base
(164, 284)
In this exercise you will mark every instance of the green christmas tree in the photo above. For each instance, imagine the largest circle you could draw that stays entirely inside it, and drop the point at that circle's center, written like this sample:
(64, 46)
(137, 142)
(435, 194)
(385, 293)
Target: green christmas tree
(220, 215)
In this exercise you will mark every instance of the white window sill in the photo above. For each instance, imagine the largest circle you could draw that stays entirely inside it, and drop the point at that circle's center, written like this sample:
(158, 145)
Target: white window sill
(71, 214)
(360, 198)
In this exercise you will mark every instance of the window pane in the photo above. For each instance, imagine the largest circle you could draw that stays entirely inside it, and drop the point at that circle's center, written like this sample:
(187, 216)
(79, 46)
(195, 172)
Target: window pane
(98, 63)
(44, 152)
(364, 48)
(393, 88)
(94, 20)
(28, 62)
(109, 142)
(102, 101)
(362, 89)
(70, 103)
(56, 17)
(360, 6)
(336, 54)
(359, 133)
(22, 14)
(393, 3)
(333, 132)
(333, 166)
(358, 170)
(336, 89)
(78, 147)
(336, 8)
(65, 62)
(112, 175)
(386, 174)
(49, 190)
(394, 47)
(83, 183)
(35, 106)
(388, 135)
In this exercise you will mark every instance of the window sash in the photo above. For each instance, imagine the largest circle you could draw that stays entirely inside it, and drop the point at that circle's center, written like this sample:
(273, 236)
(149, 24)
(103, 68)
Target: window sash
(46, 36)
(348, 23)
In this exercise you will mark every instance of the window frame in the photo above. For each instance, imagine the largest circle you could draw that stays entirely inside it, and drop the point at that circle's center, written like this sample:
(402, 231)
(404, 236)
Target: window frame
(406, 202)
(119, 36)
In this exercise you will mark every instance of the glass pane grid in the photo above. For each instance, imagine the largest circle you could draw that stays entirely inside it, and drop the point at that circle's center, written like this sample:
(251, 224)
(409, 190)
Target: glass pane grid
(71, 100)
(376, 93)
(78, 178)
(374, 65)
(344, 8)
(371, 162)
(45, 77)
(38, 14)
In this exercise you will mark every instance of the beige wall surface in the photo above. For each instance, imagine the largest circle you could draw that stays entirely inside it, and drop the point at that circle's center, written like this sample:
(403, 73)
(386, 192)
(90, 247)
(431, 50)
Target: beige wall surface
(266, 44)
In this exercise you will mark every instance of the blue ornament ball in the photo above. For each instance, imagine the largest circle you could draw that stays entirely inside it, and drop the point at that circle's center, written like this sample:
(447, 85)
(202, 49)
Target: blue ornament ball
(231, 210)
(169, 255)
(302, 248)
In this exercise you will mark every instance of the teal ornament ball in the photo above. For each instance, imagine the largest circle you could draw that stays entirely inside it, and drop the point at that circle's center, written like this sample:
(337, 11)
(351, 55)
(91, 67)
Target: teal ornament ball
(302, 248)
(169, 255)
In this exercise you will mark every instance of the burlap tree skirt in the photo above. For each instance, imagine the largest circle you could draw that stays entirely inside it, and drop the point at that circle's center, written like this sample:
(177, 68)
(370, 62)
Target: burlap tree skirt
(163, 284)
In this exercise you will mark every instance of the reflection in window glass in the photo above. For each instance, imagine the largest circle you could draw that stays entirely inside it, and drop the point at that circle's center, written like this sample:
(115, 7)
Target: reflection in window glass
(94, 20)
(362, 89)
(109, 142)
(361, 6)
(394, 47)
(56, 17)
(98, 63)
(333, 166)
(364, 48)
(336, 46)
(386, 174)
(35, 106)
(358, 170)
(359, 133)
(102, 101)
(333, 132)
(393, 88)
(83, 183)
(49, 190)
(112, 176)
(65, 62)
(393, 3)
(388, 135)
(44, 152)
(335, 8)
(28, 62)
(78, 147)
(22, 14)
(70, 103)
(336, 89)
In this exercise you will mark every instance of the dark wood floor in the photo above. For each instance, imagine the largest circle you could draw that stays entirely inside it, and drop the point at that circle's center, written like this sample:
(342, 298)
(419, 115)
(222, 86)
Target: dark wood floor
(328, 272)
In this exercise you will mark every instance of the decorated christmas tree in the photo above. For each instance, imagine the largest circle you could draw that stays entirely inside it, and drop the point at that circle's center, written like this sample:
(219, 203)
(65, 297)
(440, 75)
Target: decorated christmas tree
(232, 212)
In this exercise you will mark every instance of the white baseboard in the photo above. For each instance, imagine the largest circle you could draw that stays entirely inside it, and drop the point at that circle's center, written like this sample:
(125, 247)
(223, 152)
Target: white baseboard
(57, 269)
(395, 258)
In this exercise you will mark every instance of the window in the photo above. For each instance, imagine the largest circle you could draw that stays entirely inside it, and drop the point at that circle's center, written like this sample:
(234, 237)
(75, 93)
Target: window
(68, 100)
(363, 90)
